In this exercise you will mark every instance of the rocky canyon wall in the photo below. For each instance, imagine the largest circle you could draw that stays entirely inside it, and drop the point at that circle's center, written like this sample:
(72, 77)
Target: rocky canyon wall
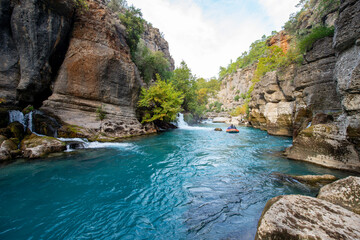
(317, 103)
(72, 62)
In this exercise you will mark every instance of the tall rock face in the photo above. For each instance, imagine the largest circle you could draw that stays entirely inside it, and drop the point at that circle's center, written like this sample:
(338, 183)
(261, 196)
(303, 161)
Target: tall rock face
(33, 35)
(97, 73)
(272, 104)
(236, 84)
(317, 103)
(73, 63)
(333, 137)
(155, 41)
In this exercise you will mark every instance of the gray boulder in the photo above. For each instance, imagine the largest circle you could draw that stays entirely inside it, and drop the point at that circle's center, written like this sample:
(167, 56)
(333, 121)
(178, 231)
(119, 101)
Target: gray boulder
(302, 217)
(345, 192)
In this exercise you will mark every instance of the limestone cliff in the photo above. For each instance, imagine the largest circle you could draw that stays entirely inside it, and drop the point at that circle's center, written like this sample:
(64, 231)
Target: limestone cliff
(155, 41)
(317, 103)
(72, 62)
(33, 36)
(97, 72)
(233, 85)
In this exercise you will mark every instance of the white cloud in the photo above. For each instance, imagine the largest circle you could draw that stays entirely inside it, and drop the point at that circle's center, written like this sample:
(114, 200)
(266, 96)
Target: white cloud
(279, 10)
(208, 34)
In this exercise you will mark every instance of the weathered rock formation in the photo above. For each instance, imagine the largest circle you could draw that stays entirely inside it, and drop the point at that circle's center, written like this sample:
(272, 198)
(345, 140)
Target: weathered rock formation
(345, 192)
(236, 84)
(97, 73)
(302, 217)
(281, 40)
(33, 36)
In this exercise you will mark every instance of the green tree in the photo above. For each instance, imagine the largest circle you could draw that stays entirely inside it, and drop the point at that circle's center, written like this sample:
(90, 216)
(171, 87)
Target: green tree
(161, 102)
(184, 81)
(134, 23)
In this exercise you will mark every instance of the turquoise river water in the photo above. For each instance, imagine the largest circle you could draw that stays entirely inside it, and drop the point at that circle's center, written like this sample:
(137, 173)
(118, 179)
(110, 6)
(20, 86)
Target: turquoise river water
(191, 183)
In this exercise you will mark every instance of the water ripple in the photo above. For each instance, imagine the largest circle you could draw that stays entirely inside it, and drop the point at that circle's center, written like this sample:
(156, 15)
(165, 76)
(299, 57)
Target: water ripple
(183, 184)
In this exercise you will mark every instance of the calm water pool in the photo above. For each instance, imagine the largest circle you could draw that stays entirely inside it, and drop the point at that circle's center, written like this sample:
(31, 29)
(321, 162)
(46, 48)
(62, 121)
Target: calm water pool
(190, 183)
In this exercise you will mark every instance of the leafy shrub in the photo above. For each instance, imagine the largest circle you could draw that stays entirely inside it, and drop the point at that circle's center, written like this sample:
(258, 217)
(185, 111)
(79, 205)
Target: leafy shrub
(134, 23)
(218, 105)
(236, 98)
(270, 62)
(305, 44)
(243, 96)
(81, 4)
(243, 110)
(160, 102)
(100, 113)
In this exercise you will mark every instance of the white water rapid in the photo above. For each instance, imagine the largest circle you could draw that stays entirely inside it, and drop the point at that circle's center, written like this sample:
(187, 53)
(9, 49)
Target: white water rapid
(86, 144)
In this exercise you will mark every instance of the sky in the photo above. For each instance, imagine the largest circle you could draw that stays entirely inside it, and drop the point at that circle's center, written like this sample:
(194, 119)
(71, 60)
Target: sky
(207, 34)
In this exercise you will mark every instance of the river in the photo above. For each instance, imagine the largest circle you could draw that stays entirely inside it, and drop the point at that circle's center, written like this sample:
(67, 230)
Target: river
(189, 183)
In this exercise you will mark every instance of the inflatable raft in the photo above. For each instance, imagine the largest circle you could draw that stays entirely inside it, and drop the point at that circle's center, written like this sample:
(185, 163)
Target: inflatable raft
(232, 130)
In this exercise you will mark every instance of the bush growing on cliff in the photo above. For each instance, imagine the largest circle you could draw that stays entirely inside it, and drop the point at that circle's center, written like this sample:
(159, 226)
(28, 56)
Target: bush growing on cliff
(81, 4)
(273, 58)
(241, 110)
(256, 50)
(305, 43)
(160, 102)
(134, 23)
(151, 63)
(236, 98)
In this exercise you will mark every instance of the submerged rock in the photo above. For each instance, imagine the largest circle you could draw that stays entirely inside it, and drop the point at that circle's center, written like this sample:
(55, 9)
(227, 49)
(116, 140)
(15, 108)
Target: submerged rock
(218, 129)
(345, 192)
(303, 217)
(35, 146)
(307, 179)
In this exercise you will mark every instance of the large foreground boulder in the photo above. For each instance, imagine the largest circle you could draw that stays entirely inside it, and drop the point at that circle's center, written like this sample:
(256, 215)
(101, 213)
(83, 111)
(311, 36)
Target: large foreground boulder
(302, 217)
(345, 192)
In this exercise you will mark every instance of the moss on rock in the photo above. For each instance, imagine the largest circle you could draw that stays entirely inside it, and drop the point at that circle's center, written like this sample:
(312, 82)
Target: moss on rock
(34, 146)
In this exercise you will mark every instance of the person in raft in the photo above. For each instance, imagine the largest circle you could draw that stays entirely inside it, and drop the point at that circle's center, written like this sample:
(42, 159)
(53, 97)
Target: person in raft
(232, 126)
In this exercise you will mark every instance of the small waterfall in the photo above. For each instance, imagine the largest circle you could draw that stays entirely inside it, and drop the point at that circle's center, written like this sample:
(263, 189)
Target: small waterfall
(181, 122)
(29, 118)
(185, 126)
(25, 120)
(15, 115)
